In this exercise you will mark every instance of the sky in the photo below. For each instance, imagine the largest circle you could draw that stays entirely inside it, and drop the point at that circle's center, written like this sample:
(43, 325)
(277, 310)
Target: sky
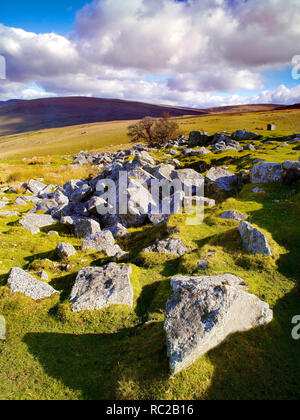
(191, 53)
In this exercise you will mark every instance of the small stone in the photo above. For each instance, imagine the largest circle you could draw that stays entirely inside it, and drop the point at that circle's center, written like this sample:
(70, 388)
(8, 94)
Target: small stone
(65, 250)
(2, 328)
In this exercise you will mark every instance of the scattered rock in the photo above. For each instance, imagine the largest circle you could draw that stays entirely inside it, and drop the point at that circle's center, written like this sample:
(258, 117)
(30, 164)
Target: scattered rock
(33, 222)
(86, 227)
(204, 311)
(99, 287)
(2, 328)
(233, 215)
(254, 240)
(65, 250)
(203, 264)
(220, 179)
(173, 246)
(22, 282)
(43, 275)
(198, 138)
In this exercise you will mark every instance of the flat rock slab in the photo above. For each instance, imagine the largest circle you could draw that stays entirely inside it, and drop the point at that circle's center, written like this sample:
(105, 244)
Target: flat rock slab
(22, 282)
(173, 246)
(233, 215)
(2, 328)
(99, 287)
(33, 222)
(254, 240)
(8, 213)
(204, 311)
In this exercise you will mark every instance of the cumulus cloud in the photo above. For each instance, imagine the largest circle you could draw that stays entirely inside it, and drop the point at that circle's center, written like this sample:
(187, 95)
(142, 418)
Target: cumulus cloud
(193, 53)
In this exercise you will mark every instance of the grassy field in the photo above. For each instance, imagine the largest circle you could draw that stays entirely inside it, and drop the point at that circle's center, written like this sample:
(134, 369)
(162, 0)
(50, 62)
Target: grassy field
(52, 353)
(98, 136)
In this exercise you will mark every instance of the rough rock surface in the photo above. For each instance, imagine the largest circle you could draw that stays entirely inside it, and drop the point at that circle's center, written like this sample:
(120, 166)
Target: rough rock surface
(2, 328)
(204, 311)
(173, 246)
(20, 281)
(65, 250)
(254, 240)
(233, 215)
(220, 179)
(100, 287)
(86, 227)
(103, 242)
(34, 222)
(266, 172)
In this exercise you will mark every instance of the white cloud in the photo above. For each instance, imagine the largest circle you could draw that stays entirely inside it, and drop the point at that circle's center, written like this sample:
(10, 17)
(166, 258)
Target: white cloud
(201, 52)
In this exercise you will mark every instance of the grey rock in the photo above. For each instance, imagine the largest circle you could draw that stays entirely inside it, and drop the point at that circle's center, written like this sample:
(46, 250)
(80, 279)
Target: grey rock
(289, 164)
(33, 222)
(254, 240)
(43, 275)
(21, 201)
(118, 231)
(204, 311)
(8, 213)
(220, 179)
(266, 172)
(233, 215)
(173, 246)
(198, 138)
(2, 328)
(203, 264)
(22, 282)
(240, 135)
(65, 250)
(35, 186)
(99, 287)
(85, 227)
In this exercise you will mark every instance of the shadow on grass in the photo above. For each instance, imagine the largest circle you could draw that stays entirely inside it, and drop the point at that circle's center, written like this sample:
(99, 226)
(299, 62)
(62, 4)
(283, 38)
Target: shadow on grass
(102, 366)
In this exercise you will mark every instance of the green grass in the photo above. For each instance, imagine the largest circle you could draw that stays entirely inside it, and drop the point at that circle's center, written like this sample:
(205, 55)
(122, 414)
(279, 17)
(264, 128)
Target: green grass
(53, 353)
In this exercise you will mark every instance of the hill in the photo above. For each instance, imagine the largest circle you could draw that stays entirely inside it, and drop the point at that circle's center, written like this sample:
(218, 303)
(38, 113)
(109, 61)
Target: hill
(23, 116)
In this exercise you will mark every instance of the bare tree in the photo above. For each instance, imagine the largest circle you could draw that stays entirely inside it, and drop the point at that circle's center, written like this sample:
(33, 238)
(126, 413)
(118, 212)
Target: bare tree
(153, 131)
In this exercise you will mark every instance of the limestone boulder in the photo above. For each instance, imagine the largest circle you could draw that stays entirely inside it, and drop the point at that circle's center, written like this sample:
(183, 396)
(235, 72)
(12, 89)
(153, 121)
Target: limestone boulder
(204, 311)
(99, 287)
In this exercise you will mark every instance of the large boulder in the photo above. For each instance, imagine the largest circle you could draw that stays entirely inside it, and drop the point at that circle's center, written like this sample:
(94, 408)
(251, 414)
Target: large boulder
(218, 179)
(22, 282)
(266, 172)
(244, 135)
(254, 240)
(173, 246)
(100, 287)
(198, 138)
(204, 311)
(33, 222)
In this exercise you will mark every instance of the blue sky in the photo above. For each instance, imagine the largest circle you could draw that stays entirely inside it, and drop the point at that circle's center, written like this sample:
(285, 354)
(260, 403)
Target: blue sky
(41, 15)
(181, 52)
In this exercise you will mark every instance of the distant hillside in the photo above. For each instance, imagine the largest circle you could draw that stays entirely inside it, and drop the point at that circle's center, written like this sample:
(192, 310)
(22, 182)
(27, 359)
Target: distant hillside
(23, 116)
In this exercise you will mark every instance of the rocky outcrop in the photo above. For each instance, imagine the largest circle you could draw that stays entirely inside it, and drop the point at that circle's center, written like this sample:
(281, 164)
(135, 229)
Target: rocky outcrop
(240, 135)
(198, 138)
(266, 172)
(254, 240)
(204, 311)
(23, 282)
(100, 287)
